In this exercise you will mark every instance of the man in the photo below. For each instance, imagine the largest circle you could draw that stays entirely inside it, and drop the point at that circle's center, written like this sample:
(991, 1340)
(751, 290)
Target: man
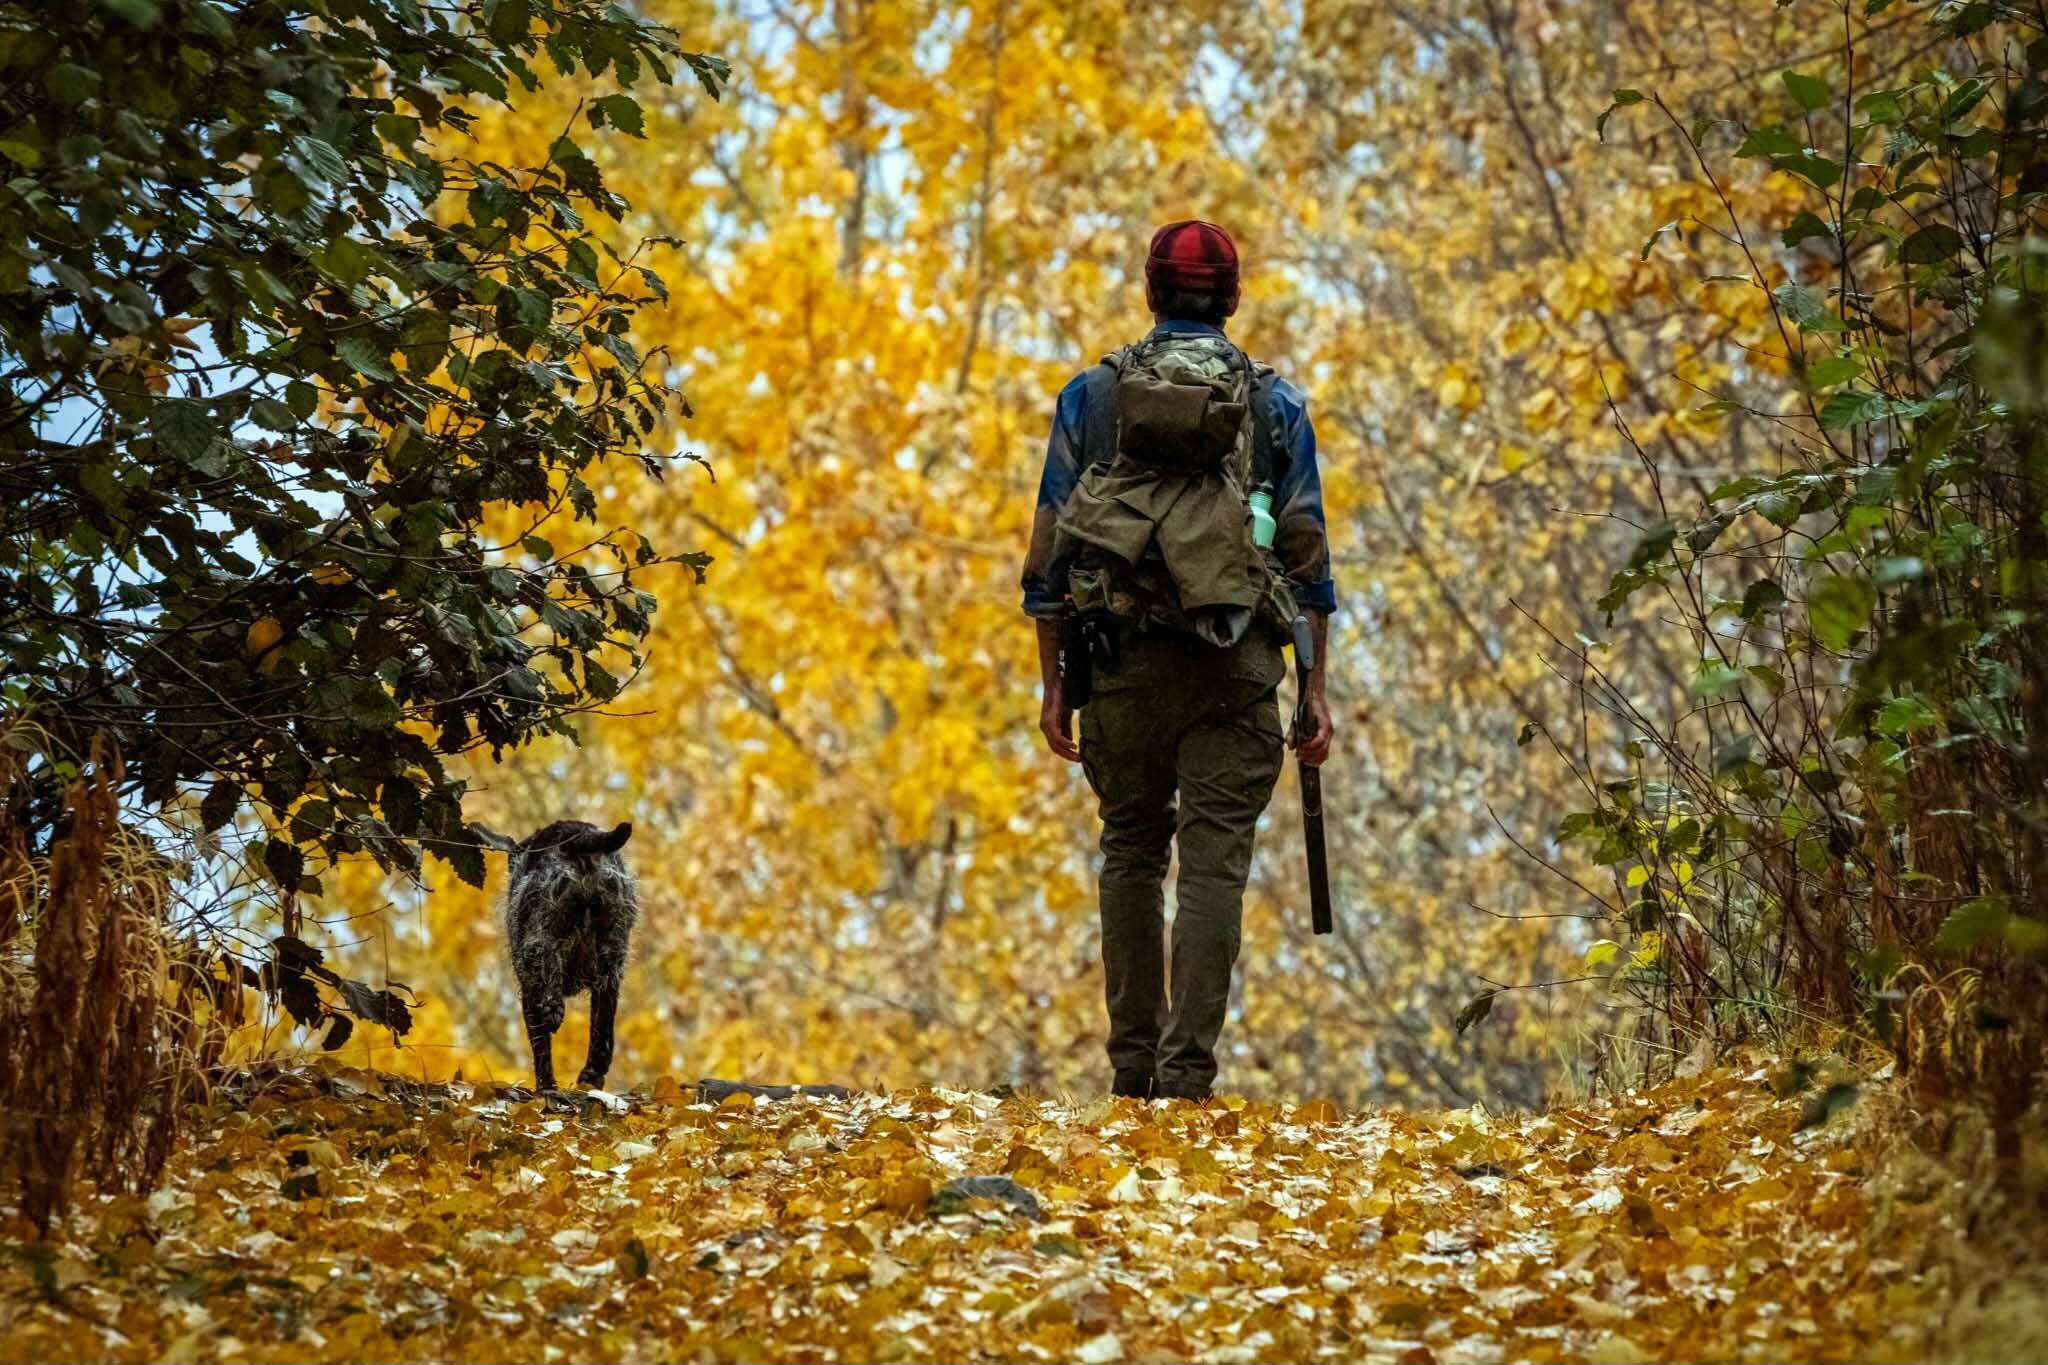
(1147, 534)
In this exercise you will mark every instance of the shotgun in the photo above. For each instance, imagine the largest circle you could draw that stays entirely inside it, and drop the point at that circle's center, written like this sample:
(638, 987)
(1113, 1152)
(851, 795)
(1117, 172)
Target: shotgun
(1311, 787)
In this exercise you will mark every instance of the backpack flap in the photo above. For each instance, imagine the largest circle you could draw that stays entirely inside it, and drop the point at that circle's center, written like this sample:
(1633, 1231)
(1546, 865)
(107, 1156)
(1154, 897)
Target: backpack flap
(1188, 428)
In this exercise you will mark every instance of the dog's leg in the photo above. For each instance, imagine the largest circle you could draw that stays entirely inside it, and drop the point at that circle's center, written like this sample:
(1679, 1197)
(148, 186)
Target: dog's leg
(604, 1006)
(543, 1010)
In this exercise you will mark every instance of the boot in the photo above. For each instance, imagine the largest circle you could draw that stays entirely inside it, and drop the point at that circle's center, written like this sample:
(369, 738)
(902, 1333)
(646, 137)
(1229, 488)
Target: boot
(1135, 1084)
(1197, 1093)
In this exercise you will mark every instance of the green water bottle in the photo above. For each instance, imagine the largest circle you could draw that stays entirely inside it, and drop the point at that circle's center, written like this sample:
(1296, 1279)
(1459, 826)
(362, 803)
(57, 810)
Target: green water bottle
(1262, 516)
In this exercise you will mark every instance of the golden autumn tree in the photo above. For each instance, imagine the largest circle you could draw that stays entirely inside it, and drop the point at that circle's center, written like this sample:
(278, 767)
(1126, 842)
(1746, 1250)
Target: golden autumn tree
(908, 227)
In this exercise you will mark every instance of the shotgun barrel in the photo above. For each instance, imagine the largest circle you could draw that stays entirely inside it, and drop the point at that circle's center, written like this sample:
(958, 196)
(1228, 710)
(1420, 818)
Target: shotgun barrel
(1320, 918)
(1318, 865)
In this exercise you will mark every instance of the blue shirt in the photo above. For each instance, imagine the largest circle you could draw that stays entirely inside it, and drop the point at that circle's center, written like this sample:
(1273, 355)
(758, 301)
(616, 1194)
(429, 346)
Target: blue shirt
(1301, 538)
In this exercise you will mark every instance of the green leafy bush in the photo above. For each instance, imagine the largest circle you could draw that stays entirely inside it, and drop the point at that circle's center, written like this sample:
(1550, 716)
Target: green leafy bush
(1847, 823)
(279, 366)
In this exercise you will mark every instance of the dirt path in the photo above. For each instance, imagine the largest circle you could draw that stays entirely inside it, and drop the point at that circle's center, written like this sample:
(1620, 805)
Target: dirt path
(340, 1215)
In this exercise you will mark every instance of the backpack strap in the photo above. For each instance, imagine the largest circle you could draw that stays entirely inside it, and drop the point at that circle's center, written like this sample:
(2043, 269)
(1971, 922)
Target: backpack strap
(1269, 449)
(1099, 410)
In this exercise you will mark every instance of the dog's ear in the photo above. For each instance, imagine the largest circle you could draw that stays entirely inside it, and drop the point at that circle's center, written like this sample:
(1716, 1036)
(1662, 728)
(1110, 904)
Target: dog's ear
(598, 842)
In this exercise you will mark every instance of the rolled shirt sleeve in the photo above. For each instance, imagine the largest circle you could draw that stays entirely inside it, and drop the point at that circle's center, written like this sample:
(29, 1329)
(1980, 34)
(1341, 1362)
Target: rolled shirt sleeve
(1301, 537)
(1043, 594)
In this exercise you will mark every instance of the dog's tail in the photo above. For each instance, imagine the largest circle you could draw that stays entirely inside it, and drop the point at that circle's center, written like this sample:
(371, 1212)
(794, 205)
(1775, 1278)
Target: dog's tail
(599, 841)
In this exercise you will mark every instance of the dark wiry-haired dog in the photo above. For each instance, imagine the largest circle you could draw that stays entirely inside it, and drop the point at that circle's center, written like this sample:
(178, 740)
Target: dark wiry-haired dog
(570, 904)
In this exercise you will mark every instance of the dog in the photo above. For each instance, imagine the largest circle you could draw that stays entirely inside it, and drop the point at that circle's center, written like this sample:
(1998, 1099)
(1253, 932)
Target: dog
(570, 907)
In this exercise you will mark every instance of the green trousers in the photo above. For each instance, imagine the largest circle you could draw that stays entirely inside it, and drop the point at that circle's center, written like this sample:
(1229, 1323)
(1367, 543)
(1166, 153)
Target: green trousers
(1182, 746)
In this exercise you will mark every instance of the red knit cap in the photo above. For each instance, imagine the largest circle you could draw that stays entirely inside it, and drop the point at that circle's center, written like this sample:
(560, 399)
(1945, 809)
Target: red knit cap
(1192, 255)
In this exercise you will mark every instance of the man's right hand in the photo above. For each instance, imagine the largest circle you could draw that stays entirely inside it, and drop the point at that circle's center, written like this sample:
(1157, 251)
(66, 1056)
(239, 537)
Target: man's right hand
(1056, 723)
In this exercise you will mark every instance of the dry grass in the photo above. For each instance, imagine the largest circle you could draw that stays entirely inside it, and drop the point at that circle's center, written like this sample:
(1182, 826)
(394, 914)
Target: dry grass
(106, 1023)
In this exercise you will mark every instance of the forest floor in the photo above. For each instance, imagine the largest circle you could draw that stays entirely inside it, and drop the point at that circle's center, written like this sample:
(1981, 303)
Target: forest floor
(332, 1214)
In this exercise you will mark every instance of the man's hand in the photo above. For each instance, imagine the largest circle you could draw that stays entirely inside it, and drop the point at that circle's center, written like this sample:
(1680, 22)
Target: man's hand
(1055, 719)
(1311, 749)
(1056, 723)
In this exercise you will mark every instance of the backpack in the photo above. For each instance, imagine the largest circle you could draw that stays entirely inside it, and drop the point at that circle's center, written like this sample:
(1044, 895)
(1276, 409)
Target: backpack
(1180, 400)
(1177, 411)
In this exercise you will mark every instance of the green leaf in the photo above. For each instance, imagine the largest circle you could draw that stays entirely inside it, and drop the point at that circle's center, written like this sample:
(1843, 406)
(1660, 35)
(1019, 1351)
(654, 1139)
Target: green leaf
(283, 861)
(1768, 142)
(1970, 924)
(1715, 679)
(508, 20)
(398, 129)
(344, 260)
(339, 1028)
(1838, 607)
(1738, 488)
(1875, 485)
(471, 75)
(1963, 99)
(272, 415)
(1853, 408)
(1807, 225)
(311, 821)
(1475, 1010)
(621, 112)
(2025, 935)
(184, 429)
(365, 358)
(1733, 754)
(1778, 508)
(1931, 245)
(1622, 100)
(142, 14)
(1800, 304)
(1836, 369)
(70, 84)
(400, 802)
(713, 73)
(1654, 546)
(1650, 242)
(1707, 530)
(579, 262)
(321, 159)
(1809, 92)
(1602, 952)
(222, 800)
(424, 341)
(1821, 171)
(581, 499)
(1903, 716)
(466, 857)
(1761, 596)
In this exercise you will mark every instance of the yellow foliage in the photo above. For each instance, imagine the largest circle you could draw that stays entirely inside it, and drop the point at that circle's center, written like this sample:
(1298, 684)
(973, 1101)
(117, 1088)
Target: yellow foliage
(858, 862)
